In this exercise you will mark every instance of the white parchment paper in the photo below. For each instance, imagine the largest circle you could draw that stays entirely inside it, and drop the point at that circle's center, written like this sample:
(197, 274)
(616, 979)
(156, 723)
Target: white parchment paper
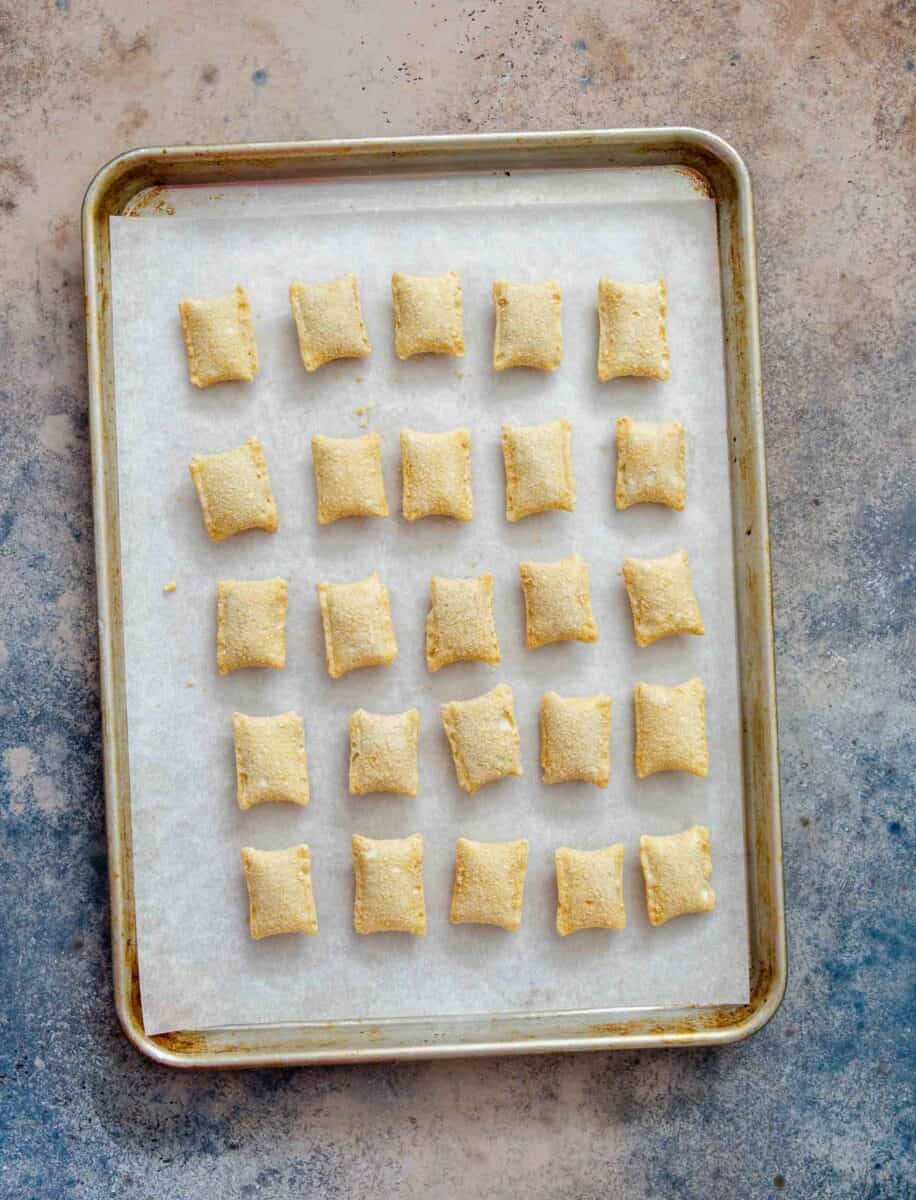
(198, 966)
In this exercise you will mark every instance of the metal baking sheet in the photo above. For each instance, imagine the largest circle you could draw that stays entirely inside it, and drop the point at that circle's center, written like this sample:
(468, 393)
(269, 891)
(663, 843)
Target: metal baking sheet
(407, 1034)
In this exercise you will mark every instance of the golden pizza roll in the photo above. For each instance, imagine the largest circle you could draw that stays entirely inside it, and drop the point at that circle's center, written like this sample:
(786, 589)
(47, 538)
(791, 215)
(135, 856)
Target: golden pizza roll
(671, 728)
(650, 464)
(358, 631)
(234, 490)
(539, 472)
(219, 338)
(483, 737)
(280, 898)
(428, 314)
(676, 870)
(460, 625)
(329, 321)
(489, 883)
(576, 739)
(662, 599)
(250, 624)
(271, 765)
(529, 325)
(633, 337)
(389, 885)
(383, 752)
(348, 477)
(590, 889)
(436, 475)
(558, 603)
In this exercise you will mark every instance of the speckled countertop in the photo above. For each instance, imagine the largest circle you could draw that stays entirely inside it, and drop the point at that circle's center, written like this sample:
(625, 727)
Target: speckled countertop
(818, 96)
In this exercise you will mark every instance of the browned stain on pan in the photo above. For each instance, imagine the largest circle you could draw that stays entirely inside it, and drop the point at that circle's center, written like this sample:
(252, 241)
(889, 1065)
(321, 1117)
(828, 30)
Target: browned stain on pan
(186, 1043)
(698, 181)
(151, 198)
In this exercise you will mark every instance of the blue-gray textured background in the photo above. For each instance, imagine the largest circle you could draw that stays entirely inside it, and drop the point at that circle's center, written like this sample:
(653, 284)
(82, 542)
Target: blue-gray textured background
(819, 97)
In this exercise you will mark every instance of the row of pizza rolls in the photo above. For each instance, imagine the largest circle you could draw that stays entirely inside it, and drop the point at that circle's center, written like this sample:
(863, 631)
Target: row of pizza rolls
(488, 888)
(460, 626)
(235, 492)
(428, 314)
(271, 760)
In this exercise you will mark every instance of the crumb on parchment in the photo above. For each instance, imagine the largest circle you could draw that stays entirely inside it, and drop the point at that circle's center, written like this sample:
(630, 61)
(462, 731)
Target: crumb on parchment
(170, 586)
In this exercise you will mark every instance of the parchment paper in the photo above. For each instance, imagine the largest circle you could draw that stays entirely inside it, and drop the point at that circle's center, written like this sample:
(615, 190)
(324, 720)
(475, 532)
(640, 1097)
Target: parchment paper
(198, 966)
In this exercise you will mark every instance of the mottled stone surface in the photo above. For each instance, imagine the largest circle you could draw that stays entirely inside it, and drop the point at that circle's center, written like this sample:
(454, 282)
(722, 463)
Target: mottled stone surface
(819, 98)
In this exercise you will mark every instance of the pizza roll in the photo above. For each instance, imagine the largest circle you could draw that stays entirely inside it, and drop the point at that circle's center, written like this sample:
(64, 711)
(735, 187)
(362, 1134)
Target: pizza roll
(280, 898)
(219, 338)
(676, 870)
(529, 326)
(383, 752)
(250, 623)
(539, 473)
(558, 603)
(489, 883)
(590, 889)
(576, 739)
(436, 475)
(389, 885)
(428, 314)
(661, 597)
(358, 631)
(348, 477)
(271, 764)
(460, 624)
(329, 321)
(483, 737)
(234, 490)
(671, 728)
(650, 463)
(632, 338)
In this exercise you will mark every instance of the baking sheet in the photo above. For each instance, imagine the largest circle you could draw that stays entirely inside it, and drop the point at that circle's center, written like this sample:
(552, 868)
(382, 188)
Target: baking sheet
(198, 966)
